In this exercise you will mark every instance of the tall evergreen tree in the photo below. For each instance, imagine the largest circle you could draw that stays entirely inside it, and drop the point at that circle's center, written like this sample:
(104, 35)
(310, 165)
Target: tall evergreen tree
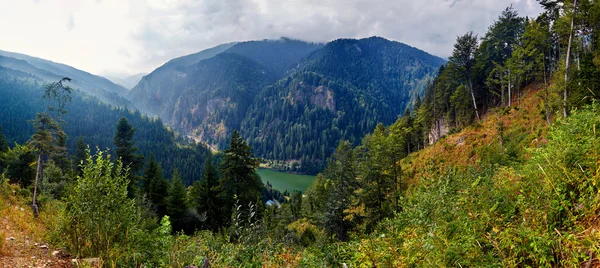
(377, 175)
(341, 170)
(126, 151)
(462, 61)
(176, 202)
(3, 143)
(155, 186)
(206, 198)
(238, 173)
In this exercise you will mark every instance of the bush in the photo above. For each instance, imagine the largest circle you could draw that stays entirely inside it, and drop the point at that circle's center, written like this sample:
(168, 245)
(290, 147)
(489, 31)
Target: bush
(98, 215)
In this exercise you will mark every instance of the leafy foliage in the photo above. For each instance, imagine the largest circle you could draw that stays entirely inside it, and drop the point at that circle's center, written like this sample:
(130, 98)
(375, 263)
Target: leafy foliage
(98, 213)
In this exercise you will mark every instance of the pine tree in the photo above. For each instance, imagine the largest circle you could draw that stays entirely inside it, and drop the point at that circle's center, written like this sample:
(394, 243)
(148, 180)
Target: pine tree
(155, 186)
(206, 197)
(296, 205)
(238, 174)
(176, 202)
(462, 60)
(377, 175)
(126, 151)
(49, 137)
(3, 143)
(341, 170)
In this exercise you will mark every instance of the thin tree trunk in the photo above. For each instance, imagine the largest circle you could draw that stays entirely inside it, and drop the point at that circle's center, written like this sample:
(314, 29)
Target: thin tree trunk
(568, 62)
(502, 102)
(473, 97)
(546, 96)
(509, 89)
(34, 206)
(518, 96)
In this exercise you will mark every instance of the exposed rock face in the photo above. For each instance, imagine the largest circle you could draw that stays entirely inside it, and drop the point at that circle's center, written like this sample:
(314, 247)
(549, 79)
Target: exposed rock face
(323, 98)
(439, 129)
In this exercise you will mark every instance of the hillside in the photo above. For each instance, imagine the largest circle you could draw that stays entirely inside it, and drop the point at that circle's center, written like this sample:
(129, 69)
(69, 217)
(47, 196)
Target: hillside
(522, 127)
(273, 87)
(470, 201)
(206, 94)
(95, 122)
(279, 56)
(49, 71)
(342, 91)
(161, 82)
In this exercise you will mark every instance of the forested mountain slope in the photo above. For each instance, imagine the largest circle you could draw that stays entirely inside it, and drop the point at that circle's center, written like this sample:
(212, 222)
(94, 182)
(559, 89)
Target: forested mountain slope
(342, 91)
(160, 83)
(279, 56)
(206, 94)
(215, 97)
(47, 70)
(271, 89)
(95, 122)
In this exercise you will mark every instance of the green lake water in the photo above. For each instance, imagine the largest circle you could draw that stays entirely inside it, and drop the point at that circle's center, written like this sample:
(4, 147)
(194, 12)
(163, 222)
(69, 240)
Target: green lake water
(285, 181)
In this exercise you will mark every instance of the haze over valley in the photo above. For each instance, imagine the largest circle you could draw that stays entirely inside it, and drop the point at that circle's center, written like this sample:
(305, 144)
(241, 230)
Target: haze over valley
(178, 133)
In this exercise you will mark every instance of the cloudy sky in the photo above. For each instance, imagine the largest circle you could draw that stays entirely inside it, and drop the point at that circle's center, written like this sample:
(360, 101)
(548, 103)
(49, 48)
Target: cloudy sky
(125, 37)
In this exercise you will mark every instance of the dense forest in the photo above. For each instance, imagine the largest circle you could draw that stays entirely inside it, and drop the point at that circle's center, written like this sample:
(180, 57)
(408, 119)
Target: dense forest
(49, 71)
(495, 166)
(342, 92)
(273, 88)
(95, 122)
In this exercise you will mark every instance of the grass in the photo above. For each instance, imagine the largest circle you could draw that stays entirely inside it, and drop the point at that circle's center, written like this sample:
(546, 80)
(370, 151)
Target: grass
(463, 149)
(16, 218)
(285, 181)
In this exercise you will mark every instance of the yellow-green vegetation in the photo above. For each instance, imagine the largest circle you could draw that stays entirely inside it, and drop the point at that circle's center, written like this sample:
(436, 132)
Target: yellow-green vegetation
(513, 182)
(19, 230)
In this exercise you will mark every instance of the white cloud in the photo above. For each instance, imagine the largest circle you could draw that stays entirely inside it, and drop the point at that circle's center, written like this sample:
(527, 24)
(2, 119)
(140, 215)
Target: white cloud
(130, 36)
(71, 23)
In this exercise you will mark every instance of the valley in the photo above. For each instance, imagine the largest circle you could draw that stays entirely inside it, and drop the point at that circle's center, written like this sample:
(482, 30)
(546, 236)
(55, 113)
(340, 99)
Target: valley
(340, 152)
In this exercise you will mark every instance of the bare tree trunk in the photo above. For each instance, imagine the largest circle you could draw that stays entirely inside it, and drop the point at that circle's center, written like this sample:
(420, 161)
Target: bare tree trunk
(546, 96)
(568, 62)
(509, 89)
(473, 97)
(34, 206)
(502, 102)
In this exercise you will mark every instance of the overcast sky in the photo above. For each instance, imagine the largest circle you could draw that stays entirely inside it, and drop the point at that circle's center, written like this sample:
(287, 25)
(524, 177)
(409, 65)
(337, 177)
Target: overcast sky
(124, 37)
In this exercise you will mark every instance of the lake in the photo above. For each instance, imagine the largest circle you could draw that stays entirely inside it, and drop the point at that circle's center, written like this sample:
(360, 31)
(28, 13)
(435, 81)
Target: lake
(285, 181)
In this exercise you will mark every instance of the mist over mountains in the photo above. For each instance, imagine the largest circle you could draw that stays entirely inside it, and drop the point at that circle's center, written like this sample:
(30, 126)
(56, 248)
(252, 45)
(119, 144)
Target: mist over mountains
(291, 100)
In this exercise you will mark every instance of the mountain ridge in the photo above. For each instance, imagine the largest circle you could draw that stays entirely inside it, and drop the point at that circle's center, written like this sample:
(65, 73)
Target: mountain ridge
(380, 78)
(48, 70)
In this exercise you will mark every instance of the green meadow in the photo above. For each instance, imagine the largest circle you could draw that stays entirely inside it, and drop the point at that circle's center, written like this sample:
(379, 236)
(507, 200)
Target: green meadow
(285, 181)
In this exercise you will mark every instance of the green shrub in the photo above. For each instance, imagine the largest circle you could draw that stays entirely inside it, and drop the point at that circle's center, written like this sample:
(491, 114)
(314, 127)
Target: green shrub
(99, 216)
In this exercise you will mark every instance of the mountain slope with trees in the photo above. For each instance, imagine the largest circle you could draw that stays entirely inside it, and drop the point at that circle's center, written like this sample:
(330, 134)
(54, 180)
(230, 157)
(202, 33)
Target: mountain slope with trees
(95, 123)
(49, 71)
(206, 95)
(342, 91)
(345, 87)
(507, 180)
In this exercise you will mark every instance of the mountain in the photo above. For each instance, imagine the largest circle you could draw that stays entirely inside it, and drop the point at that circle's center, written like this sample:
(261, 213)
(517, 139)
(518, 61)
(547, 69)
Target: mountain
(162, 80)
(208, 99)
(49, 71)
(292, 100)
(280, 56)
(341, 91)
(95, 122)
(128, 82)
